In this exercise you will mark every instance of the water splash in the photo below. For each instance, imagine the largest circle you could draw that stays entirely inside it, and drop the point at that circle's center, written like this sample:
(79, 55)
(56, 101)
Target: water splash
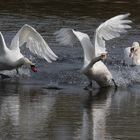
(23, 72)
(125, 75)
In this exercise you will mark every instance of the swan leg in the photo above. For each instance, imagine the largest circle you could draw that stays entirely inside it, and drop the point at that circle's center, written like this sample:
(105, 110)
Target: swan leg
(4, 76)
(114, 83)
(17, 71)
(89, 86)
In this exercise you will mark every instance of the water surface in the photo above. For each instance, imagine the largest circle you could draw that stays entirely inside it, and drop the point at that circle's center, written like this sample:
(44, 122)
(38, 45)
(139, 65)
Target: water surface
(28, 112)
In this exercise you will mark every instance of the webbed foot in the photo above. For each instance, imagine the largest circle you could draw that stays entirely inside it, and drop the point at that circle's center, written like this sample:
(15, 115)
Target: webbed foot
(89, 86)
(3, 76)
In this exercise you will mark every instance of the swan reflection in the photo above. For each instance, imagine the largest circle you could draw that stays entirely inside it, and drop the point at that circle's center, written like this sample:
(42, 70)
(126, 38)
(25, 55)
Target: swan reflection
(24, 113)
(32, 113)
(95, 113)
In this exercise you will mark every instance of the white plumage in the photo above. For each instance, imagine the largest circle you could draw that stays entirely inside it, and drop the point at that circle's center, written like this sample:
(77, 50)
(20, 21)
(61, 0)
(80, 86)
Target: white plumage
(35, 43)
(132, 54)
(12, 58)
(110, 29)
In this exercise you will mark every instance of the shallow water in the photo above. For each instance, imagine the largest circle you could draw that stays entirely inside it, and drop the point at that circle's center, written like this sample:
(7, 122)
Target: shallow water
(29, 111)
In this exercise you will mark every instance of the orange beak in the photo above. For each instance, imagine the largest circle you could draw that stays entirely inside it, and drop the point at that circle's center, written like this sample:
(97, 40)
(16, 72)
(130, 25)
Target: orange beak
(33, 68)
(131, 52)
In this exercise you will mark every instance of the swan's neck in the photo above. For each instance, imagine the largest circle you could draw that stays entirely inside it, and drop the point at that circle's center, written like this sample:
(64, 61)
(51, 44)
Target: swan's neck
(88, 50)
(2, 42)
(27, 61)
(137, 52)
(93, 61)
(136, 57)
(99, 46)
(23, 61)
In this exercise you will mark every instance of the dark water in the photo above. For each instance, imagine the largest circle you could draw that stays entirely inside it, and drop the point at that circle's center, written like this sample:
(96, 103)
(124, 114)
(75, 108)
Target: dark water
(28, 111)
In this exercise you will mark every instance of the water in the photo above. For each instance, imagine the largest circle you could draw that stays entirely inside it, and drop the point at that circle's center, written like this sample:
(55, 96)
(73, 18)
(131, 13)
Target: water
(29, 111)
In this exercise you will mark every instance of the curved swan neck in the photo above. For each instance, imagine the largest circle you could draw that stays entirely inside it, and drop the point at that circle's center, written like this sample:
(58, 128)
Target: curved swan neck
(26, 61)
(86, 42)
(93, 61)
(86, 45)
(2, 41)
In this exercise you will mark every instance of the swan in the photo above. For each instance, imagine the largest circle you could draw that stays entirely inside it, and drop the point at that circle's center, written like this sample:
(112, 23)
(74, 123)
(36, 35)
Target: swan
(132, 54)
(12, 58)
(97, 70)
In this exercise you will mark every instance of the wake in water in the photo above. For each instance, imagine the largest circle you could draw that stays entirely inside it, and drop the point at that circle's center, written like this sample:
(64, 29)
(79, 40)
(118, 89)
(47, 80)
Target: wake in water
(23, 72)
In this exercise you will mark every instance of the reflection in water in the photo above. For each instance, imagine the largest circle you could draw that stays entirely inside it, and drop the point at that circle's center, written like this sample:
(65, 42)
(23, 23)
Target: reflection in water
(24, 113)
(33, 113)
(98, 106)
(99, 114)
(124, 122)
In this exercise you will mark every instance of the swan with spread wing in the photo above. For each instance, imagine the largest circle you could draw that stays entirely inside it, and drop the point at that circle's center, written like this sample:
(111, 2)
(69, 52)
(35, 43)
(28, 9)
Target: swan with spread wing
(12, 58)
(93, 68)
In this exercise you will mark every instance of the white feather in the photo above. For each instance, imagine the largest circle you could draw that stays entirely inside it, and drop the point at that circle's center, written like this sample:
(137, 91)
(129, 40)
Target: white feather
(67, 36)
(132, 58)
(110, 29)
(35, 43)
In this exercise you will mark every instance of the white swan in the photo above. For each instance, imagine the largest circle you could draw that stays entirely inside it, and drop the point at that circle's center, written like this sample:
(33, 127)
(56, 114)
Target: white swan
(132, 54)
(110, 29)
(12, 58)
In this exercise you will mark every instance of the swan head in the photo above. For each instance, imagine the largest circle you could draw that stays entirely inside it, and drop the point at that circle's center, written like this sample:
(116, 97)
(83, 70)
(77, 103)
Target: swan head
(27, 62)
(103, 56)
(33, 68)
(134, 48)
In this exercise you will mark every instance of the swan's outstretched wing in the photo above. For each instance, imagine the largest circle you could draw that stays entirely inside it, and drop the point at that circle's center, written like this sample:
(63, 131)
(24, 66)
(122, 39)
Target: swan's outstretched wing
(65, 36)
(110, 29)
(68, 36)
(34, 42)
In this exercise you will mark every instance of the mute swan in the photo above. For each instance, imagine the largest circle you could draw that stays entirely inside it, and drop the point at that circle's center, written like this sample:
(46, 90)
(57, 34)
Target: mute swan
(110, 29)
(132, 54)
(12, 58)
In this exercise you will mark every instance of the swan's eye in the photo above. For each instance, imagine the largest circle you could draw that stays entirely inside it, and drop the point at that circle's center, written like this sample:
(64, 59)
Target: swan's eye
(33, 68)
(132, 50)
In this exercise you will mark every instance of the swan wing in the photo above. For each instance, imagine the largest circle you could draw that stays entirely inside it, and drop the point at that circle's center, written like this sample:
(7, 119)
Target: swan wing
(34, 42)
(66, 36)
(110, 29)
